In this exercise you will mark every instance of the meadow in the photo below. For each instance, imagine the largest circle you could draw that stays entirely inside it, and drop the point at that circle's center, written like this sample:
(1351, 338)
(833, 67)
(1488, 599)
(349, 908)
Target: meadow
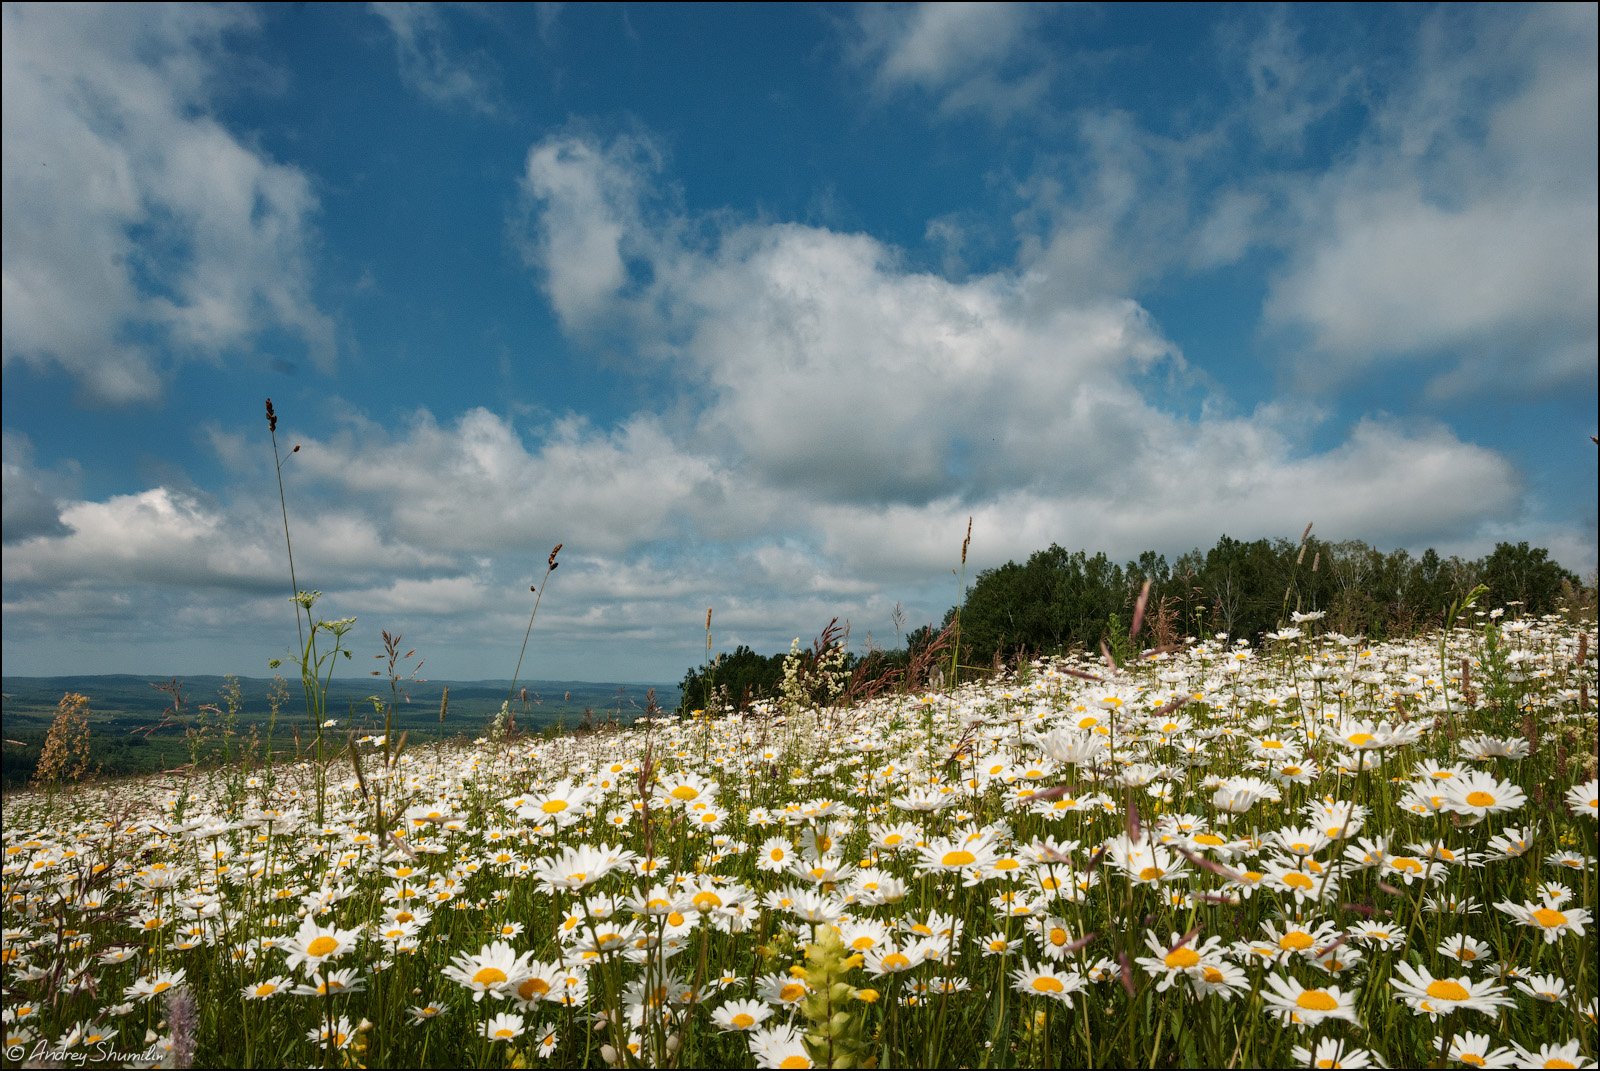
(1317, 851)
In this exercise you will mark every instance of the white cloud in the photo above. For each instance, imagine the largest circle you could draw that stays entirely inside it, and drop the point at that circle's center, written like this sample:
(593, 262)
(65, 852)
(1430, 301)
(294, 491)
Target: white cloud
(32, 498)
(431, 65)
(134, 224)
(1463, 232)
(972, 57)
(885, 404)
(477, 485)
(589, 224)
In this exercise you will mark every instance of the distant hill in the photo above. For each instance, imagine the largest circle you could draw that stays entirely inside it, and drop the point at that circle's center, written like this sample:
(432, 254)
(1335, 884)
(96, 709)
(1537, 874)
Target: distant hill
(128, 712)
(137, 701)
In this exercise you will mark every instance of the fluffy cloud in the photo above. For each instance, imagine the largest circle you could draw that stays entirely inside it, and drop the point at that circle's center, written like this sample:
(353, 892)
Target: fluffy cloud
(1463, 232)
(885, 404)
(971, 57)
(32, 508)
(136, 228)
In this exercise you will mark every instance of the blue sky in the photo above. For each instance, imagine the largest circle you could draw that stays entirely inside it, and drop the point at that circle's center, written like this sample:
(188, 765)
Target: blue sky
(753, 307)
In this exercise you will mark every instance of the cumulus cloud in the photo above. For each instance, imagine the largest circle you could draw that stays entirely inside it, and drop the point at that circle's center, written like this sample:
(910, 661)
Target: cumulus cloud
(1463, 231)
(587, 237)
(32, 498)
(137, 230)
(479, 485)
(884, 404)
(971, 57)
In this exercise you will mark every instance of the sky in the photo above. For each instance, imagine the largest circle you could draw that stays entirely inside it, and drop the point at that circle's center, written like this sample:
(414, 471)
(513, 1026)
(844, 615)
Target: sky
(751, 308)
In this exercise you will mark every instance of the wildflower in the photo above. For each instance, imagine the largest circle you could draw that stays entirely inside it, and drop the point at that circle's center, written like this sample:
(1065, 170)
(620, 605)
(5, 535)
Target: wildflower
(504, 1026)
(86, 1034)
(1178, 958)
(863, 935)
(741, 1015)
(1216, 975)
(548, 1043)
(337, 1035)
(774, 855)
(892, 960)
(998, 944)
(1308, 1007)
(1511, 842)
(1477, 794)
(1144, 862)
(1047, 981)
(562, 804)
(1552, 922)
(1334, 1052)
(1297, 938)
(781, 990)
(1584, 799)
(1551, 1055)
(1476, 1050)
(313, 945)
(779, 1046)
(1300, 842)
(951, 855)
(1545, 987)
(340, 981)
(495, 968)
(684, 788)
(1237, 795)
(1433, 997)
(1466, 949)
(1495, 747)
(576, 868)
(156, 984)
(1304, 887)
(422, 1013)
(1569, 860)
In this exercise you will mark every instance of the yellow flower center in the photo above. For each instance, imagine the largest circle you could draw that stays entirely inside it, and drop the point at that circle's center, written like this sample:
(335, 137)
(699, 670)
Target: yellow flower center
(1182, 958)
(896, 961)
(1445, 989)
(685, 793)
(1295, 941)
(489, 976)
(791, 992)
(1151, 873)
(794, 1061)
(1548, 918)
(322, 946)
(1047, 984)
(1210, 840)
(1295, 879)
(1480, 799)
(959, 857)
(1316, 1000)
(553, 806)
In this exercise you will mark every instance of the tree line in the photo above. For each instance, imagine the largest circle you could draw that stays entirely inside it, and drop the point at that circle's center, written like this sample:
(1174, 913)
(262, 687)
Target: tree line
(1060, 599)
